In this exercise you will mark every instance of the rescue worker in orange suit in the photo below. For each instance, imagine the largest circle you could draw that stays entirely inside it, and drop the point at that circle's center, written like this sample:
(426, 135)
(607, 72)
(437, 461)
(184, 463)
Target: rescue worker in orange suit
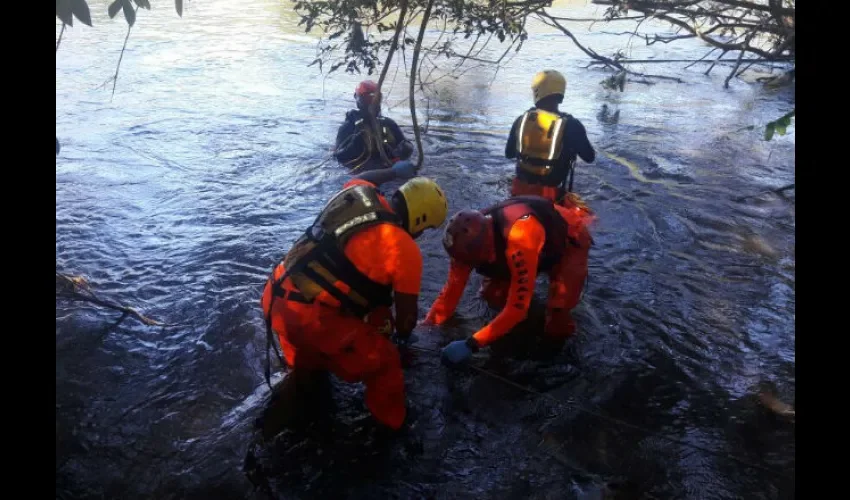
(330, 299)
(510, 244)
(546, 142)
(357, 141)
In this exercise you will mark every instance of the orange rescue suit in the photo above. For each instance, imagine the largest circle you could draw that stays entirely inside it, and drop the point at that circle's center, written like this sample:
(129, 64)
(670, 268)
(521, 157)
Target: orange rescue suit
(530, 246)
(319, 335)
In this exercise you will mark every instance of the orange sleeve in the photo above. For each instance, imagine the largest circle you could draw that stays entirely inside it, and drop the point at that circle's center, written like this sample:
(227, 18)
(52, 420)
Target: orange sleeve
(403, 261)
(357, 182)
(451, 293)
(525, 241)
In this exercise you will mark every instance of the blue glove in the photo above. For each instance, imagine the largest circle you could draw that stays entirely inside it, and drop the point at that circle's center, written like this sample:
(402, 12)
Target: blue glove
(456, 352)
(404, 169)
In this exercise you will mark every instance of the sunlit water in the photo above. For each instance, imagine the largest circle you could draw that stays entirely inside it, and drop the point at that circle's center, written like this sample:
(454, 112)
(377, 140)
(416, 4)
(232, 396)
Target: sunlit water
(177, 196)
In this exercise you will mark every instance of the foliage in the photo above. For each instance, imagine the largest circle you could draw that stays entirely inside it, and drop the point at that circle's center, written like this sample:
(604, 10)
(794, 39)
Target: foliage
(361, 29)
(67, 10)
(778, 126)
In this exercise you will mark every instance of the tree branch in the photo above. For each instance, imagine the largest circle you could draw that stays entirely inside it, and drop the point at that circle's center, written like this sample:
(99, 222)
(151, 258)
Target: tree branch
(695, 61)
(738, 63)
(59, 40)
(715, 62)
(414, 70)
(373, 107)
(543, 16)
(660, 5)
(120, 58)
(701, 58)
(75, 288)
(711, 41)
(595, 20)
(394, 46)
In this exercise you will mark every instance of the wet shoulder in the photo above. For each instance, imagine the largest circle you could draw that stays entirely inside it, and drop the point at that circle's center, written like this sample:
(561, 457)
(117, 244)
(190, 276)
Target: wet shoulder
(387, 254)
(384, 242)
(361, 182)
(527, 232)
(573, 123)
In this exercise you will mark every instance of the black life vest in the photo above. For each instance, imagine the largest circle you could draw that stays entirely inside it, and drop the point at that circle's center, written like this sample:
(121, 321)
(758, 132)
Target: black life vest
(317, 260)
(368, 139)
(506, 213)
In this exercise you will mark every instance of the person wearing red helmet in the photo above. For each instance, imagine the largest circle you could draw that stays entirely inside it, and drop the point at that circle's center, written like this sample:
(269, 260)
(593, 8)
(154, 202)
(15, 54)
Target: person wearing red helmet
(358, 145)
(510, 244)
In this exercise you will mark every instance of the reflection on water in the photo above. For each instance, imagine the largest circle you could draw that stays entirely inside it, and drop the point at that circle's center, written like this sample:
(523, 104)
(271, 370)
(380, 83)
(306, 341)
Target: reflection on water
(179, 194)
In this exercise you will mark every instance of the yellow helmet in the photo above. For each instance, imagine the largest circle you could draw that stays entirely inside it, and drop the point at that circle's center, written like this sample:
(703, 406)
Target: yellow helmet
(548, 82)
(426, 204)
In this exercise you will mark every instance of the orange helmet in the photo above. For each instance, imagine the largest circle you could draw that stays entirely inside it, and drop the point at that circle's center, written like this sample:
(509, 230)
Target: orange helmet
(366, 93)
(467, 237)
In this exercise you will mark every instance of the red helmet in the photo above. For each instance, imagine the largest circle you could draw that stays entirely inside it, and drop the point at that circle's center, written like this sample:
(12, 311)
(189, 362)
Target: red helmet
(366, 93)
(467, 238)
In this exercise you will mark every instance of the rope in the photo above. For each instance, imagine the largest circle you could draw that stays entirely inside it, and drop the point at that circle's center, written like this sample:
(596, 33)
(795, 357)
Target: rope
(612, 420)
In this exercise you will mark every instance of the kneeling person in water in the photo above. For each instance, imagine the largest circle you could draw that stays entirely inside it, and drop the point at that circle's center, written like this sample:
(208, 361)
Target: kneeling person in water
(330, 298)
(510, 243)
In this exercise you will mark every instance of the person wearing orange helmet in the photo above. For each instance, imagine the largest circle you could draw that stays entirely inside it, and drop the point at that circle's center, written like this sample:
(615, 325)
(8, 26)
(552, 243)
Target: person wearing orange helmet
(510, 244)
(329, 299)
(358, 145)
(545, 142)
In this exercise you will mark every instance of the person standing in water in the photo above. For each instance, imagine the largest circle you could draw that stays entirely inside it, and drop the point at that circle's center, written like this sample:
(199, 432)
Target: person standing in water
(357, 140)
(545, 142)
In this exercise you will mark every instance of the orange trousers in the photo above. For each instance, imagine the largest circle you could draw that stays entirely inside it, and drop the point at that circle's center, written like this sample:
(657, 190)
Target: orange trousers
(317, 337)
(566, 282)
(522, 188)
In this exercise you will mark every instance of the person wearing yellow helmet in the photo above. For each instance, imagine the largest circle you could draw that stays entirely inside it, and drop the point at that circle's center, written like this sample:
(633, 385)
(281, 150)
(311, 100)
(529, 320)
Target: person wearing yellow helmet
(329, 299)
(545, 142)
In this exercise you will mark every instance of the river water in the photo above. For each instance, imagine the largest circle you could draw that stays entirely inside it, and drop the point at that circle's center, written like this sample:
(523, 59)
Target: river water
(177, 195)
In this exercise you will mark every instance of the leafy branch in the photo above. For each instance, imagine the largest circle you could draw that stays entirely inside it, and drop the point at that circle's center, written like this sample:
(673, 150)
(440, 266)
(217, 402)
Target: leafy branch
(779, 125)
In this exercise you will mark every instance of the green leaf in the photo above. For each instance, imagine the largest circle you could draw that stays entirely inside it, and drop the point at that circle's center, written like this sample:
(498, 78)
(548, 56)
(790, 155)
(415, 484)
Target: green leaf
(129, 12)
(178, 4)
(145, 4)
(778, 126)
(64, 12)
(768, 132)
(81, 11)
(114, 7)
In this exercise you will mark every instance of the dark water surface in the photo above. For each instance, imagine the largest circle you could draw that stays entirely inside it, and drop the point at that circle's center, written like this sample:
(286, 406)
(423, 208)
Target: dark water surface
(178, 195)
